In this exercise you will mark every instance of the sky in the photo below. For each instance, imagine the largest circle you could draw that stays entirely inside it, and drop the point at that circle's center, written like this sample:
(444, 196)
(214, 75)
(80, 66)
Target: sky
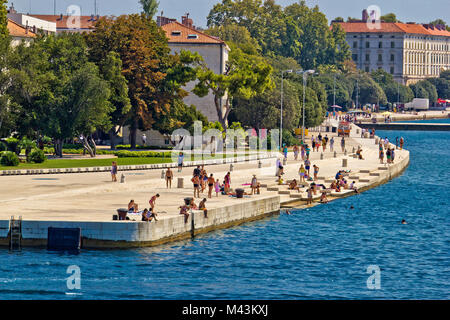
(406, 10)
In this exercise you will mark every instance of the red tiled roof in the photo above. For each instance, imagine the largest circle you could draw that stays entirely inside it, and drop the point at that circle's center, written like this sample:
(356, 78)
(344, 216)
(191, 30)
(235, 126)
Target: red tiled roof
(86, 22)
(185, 31)
(16, 30)
(389, 27)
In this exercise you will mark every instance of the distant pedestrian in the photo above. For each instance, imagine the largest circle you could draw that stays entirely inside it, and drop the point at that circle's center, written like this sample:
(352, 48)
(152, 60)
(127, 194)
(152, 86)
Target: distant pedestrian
(180, 161)
(210, 185)
(285, 152)
(144, 139)
(114, 171)
(316, 171)
(152, 202)
(332, 144)
(402, 141)
(307, 166)
(343, 144)
(295, 149)
(169, 177)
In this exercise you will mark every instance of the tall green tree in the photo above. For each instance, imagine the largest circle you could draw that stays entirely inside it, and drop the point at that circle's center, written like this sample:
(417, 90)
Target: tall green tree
(154, 76)
(61, 93)
(149, 7)
(246, 76)
(389, 17)
(3, 20)
(425, 89)
(395, 92)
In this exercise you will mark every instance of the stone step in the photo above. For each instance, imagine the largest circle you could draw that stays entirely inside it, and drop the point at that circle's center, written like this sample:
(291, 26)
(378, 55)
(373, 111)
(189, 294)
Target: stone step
(364, 171)
(354, 177)
(383, 168)
(297, 195)
(374, 174)
(273, 189)
(329, 180)
(284, 192)
(364, 180)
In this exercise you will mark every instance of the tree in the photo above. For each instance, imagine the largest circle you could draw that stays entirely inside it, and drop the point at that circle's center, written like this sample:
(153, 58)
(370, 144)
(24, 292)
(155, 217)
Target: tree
(4, 75)
(154, 76)
(246, 76)
(367, 90)
(3, 21)
(425, 89)
(236, 35)
(390, 17)
(338, 19)
(60, 92)
(111, 71)
(442, 87)
(149, 7)
(394, 91)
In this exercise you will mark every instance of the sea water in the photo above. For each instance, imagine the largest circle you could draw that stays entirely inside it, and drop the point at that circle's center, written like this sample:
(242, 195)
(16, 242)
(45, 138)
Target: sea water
(326, 252)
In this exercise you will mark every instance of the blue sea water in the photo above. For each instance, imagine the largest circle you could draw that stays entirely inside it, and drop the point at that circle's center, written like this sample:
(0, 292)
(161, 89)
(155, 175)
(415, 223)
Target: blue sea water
(318, 253)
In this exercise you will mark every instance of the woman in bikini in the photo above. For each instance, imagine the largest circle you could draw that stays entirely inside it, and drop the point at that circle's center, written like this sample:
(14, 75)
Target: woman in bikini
(302, 173)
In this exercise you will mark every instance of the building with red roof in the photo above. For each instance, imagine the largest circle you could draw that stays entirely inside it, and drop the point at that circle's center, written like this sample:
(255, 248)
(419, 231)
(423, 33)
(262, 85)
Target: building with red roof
(409, 51)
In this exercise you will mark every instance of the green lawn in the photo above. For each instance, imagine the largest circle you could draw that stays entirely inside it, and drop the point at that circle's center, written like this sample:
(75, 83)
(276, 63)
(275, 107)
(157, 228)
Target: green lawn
(82, 163)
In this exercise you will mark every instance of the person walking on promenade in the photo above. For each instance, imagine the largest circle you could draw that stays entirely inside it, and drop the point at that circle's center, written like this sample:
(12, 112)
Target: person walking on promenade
(388, 155)
(210, 185)
(180, 161)
(196, 182)
(316, 171)
(302, 152)
(392, 155)
(114, 171)
(313, 143)
(152, 202)
(332, 144)
(285, 151)
(308, 150)
(343, 144)
(169, 177)
(402, 141)
(295, 149)
(307, 166)
(396, 142)
(318, 143)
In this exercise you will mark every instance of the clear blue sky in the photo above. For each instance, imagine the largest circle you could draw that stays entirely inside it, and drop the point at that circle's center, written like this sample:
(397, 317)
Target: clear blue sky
(406, 10)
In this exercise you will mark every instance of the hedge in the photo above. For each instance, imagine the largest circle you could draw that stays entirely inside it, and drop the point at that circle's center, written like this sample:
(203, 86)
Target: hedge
(9, 158)
(36, 156)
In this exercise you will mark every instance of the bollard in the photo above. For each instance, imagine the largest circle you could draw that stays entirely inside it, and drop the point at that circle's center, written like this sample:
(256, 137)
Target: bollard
(284, 161)
(259, 164)
(377, 140)
(335, 154)
(344, 163)
(321, 156)
(353, 150)
(163, 174)
(345, 152)
(231, 167)
(122, 178)
(180, 184)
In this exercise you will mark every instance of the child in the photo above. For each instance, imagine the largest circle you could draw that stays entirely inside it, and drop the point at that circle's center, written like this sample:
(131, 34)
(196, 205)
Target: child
(217, 187)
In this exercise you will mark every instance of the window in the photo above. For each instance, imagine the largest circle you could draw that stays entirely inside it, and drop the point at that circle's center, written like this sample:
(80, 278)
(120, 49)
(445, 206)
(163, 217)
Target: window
(192, 36)
(367, 36)
(367, 69)
(355, 57)
(367, 44)
(367, 57)
(392, 44)
(392, 57)
(392, 70)
(380, 44)
(355, 44)
(176, 33)
(380, 36)
(380, 57)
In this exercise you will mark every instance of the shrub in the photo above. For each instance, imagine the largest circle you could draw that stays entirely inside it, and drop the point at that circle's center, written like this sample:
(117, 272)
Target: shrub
(13, 145)
(37, 156)
(2, 146)
(9, 158)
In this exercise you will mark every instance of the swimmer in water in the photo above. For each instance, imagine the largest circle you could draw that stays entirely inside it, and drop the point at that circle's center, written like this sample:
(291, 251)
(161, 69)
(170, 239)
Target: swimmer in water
(351, 207)
(404, 221)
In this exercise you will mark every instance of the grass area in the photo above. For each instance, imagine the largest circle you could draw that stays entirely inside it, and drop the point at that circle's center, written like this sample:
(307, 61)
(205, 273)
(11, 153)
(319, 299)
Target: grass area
(82, 163)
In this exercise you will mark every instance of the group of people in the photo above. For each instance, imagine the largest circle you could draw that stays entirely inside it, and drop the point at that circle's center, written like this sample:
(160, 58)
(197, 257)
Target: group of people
(200, 180)
(385, 147)
(147, 214)
(185, 209)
